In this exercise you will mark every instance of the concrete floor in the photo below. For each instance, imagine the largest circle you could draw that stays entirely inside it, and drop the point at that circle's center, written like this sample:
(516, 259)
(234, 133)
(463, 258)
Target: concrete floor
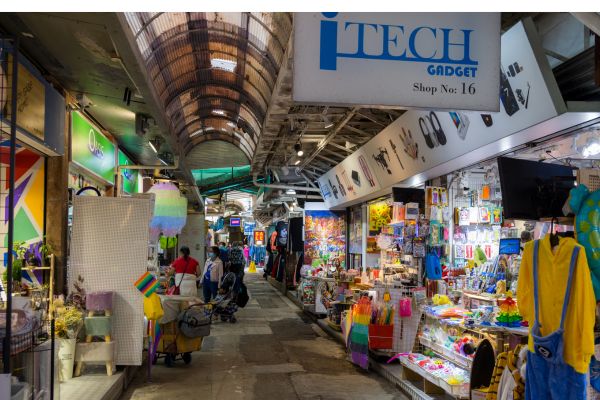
(272, 352)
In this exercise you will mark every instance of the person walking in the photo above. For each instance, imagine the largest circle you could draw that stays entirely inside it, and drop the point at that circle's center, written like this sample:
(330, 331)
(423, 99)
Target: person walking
(236, 260)
(185, 268)
(212, 274)
(246, 256)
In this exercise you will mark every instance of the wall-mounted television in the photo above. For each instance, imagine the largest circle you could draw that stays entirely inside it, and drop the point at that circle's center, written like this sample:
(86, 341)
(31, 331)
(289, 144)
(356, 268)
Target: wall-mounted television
(409, 195)
(532, 190)
(235, 221)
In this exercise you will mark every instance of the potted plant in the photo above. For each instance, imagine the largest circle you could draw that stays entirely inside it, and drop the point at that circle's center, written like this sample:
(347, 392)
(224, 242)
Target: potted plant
(68, 321)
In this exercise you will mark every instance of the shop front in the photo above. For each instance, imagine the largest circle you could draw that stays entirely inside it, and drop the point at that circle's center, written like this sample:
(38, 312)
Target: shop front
(452, 198)
(27, 282)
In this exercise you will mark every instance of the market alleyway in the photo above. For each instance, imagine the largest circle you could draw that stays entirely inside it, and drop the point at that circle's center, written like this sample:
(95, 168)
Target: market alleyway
(272, 352)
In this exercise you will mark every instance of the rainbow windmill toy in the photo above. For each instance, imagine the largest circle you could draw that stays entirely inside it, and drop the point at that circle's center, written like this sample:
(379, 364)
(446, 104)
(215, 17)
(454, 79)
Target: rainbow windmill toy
(147, 284)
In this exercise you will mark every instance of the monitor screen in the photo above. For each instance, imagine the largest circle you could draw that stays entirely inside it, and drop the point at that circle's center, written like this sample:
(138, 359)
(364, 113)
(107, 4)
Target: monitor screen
(409, 195)
(235, 222)
(532, 190)
(510, 246)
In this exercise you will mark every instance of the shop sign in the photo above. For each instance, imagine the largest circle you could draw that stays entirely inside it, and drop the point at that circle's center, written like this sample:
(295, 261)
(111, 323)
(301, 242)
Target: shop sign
(31, 99)
(128, 176)
(420, 141)
(91, 149)
(249, 228)
(420, 60)
(259, 237)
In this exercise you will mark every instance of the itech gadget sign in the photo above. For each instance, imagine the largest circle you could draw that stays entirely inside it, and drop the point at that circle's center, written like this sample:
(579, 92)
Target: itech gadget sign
(432, 60)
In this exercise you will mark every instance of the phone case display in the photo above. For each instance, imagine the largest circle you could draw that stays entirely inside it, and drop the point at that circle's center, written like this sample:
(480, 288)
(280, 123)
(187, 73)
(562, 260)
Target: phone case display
(324, 237)
(355, 225)
(380, 215)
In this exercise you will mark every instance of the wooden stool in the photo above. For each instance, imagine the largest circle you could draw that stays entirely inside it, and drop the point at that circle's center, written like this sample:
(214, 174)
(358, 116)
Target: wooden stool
(98, 324)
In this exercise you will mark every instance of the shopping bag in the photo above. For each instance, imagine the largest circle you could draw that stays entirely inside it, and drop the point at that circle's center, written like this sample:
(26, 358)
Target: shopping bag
(153, 308)
(242, 297)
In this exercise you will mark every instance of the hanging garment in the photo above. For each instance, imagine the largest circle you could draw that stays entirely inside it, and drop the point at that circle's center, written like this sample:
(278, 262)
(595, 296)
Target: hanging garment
(551, 283)
(548, 376)
(281, 266)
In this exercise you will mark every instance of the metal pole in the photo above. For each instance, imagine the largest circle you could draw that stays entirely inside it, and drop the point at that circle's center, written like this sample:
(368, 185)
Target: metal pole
(11, 204)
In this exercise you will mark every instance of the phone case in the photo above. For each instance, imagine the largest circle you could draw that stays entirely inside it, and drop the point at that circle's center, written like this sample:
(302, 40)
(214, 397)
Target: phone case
(342, 189)
(487, 120)
(507, 96)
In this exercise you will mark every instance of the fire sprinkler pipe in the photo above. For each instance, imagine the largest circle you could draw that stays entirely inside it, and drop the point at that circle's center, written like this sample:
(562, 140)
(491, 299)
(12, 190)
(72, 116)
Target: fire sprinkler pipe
(291, 187)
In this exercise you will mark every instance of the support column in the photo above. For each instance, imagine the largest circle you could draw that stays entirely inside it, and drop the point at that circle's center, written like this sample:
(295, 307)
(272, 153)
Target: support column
(57, 209)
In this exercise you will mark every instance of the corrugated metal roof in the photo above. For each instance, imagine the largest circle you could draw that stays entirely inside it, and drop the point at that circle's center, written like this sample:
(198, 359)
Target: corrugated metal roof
(213, 72)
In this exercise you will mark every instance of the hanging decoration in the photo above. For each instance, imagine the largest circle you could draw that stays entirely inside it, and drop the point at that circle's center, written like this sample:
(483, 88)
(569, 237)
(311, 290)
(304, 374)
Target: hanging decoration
(170, 210)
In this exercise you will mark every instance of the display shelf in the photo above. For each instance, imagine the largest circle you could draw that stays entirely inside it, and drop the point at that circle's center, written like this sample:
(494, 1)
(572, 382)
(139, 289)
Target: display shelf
(459, 391)
(521, 331)
(450, 355)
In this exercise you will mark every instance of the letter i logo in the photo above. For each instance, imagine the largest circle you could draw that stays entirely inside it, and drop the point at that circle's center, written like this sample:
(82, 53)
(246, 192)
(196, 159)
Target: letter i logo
(329, 42)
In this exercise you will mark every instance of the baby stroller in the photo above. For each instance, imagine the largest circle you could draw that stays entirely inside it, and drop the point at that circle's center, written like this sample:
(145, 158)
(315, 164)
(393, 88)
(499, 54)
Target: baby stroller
(224, 304)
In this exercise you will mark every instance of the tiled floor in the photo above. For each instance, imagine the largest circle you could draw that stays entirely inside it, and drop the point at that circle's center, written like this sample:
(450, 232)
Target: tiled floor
(272, 352)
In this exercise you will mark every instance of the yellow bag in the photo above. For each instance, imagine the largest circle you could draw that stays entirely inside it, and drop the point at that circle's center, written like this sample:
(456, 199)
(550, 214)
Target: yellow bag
(252, 267)
(152, 308)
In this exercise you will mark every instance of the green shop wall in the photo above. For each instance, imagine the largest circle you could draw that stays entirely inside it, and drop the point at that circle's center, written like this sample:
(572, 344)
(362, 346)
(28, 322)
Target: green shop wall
(91, 149)
(129, 176)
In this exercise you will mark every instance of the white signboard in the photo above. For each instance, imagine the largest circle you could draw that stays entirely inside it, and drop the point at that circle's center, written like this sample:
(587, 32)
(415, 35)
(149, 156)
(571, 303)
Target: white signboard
(419, 60)
(421, 140)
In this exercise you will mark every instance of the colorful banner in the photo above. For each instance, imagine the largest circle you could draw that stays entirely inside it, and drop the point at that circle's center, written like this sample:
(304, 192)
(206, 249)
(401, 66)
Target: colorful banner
(325, 236)
(129, 176)
(92, 150)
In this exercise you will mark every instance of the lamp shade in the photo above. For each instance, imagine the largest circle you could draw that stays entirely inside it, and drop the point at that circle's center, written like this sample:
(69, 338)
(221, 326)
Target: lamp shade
(170, 210)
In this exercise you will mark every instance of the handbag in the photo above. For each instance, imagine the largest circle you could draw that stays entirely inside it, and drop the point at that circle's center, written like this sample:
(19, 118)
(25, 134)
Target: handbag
(174, 290)
(153, 308)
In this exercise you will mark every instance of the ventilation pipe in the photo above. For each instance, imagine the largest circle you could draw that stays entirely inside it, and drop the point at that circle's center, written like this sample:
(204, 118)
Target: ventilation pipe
(286, 187)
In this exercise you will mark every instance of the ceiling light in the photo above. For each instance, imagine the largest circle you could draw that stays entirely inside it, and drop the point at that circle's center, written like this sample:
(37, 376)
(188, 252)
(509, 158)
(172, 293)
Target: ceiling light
(290, 191)
(298, 149)
(163, 161)
(297, 162)
(218, 112)
(328, 122)
(199, 131)
(220, 63)
(28, 35)
(591, 149)
(329, 125)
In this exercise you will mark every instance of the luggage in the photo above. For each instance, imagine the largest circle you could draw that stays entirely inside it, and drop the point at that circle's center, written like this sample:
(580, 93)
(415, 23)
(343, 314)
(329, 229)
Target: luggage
(194, 322)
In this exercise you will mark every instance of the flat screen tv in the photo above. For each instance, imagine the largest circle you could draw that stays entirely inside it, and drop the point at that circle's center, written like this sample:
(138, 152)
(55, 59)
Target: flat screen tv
(409, 195)
(532, 190)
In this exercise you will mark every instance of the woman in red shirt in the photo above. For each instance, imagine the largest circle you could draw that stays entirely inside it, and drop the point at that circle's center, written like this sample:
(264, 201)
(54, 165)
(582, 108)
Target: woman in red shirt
(185, 269)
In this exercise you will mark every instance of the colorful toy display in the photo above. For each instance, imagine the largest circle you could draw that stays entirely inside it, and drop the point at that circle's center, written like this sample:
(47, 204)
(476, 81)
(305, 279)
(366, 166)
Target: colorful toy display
(509, 314)
(438, 367)
(359, 334)
(170, 210)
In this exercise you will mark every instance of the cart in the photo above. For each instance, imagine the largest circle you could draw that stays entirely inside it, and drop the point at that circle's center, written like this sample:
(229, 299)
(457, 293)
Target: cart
(172, 345)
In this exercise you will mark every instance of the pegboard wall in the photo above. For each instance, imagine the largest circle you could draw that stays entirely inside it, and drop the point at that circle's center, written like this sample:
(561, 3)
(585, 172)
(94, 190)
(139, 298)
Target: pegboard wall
(109, 249)
(405, 328)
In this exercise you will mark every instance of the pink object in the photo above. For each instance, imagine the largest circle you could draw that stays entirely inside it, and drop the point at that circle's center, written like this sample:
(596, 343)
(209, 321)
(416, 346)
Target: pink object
(405, 307)
(99, 301)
